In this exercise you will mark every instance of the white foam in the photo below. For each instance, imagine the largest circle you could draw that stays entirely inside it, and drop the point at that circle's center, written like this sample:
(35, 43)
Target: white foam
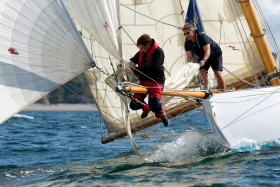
(252, 145)
(244, 142)
(23, 116)
(26, 172)
(190, 145)
(9, 175)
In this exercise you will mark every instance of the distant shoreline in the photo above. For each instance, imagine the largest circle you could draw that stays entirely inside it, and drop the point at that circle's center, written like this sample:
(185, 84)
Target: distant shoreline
(60, 107)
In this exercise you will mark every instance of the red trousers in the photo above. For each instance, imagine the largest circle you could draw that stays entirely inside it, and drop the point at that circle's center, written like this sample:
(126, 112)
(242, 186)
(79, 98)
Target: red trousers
(155, 91)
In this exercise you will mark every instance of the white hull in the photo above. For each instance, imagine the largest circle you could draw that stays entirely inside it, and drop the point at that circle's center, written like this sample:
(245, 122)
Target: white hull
(245, 118)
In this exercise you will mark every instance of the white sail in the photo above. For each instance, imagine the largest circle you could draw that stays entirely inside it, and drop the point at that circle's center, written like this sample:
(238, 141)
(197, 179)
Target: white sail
(97, 22)
(106, 99)
(40, 49)
(99, 18)
(171, 37)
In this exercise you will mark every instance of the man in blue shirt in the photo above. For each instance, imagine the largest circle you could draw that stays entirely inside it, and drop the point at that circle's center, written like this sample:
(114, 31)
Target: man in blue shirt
(208, 54)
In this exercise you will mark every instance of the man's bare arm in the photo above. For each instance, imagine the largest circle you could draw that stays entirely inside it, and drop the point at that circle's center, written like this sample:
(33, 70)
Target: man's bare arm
(207, 51)
(189, 56)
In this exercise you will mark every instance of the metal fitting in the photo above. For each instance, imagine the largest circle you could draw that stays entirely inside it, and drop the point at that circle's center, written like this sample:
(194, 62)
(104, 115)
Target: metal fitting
(119, 87)
(93, 64)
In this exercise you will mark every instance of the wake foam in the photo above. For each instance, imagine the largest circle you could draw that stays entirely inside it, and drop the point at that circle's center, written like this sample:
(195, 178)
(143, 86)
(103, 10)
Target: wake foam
(252, 145)
(190, 145)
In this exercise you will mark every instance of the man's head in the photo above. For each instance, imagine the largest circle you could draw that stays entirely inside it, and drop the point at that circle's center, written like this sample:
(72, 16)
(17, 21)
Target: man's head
(189, 31)
(144, 43)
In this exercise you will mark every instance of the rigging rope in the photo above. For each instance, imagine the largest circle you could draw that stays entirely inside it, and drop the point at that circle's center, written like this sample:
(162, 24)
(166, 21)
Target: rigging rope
(271, 38)
(151, 17)
(240, 34)
(241, 79)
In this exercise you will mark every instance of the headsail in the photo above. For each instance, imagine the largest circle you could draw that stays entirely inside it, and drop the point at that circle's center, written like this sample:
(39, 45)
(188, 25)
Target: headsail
(99, 18)
(40, 48)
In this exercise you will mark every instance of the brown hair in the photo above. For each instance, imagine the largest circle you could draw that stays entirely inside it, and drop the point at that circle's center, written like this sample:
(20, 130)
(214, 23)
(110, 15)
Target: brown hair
(188, 26)
(144, 40)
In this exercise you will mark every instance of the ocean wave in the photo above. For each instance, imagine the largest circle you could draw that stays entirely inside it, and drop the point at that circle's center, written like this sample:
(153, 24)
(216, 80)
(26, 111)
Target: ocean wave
(23, 116)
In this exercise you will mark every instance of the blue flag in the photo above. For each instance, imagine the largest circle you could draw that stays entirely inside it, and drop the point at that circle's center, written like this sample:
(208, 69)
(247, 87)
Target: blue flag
(193, 16)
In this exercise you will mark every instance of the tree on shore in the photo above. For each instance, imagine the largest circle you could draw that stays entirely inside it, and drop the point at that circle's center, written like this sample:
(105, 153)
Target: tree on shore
(64, 95)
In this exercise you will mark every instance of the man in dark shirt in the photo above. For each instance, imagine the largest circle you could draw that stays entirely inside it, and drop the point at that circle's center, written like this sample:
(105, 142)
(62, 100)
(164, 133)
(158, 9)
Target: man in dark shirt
(208, 54)
(150, 71)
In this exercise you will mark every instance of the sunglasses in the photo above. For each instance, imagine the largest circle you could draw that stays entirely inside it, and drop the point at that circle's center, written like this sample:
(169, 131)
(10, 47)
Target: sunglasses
(187, 33)
(141, 48)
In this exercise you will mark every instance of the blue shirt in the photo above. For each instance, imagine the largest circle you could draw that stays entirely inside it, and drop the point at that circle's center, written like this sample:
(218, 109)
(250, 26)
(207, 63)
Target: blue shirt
(202, 40)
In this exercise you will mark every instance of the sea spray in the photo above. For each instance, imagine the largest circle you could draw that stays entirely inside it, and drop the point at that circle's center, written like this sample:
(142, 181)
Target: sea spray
(189, 145)
(253, 145)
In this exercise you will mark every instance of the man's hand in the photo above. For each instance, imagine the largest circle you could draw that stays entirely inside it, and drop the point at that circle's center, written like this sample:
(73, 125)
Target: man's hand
(202, 63)
(132, 66)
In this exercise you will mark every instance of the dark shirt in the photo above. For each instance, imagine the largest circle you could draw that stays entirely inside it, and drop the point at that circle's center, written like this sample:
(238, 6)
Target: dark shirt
(202, 40)
(155, 70)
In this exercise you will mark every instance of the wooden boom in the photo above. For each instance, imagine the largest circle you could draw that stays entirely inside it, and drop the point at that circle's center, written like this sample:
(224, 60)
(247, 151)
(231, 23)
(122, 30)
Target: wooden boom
(167, 92)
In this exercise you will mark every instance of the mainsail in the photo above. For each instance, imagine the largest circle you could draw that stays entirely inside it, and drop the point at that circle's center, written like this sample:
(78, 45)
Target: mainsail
(41, 50)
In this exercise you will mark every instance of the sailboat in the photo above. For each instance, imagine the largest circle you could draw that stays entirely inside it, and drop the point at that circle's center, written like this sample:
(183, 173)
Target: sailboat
(46, 43)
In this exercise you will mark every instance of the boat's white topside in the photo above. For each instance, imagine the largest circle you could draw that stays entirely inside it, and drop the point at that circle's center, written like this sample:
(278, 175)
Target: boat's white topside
(245, 117)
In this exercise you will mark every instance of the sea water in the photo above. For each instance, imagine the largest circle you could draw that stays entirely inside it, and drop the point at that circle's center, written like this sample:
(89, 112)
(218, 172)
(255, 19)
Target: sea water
(62, 148)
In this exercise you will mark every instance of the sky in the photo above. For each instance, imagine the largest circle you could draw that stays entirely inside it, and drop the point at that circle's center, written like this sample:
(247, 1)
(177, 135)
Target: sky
(271, 11)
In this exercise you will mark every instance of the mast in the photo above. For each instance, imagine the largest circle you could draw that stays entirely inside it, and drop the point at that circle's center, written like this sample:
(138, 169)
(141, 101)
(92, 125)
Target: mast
(258, 35)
